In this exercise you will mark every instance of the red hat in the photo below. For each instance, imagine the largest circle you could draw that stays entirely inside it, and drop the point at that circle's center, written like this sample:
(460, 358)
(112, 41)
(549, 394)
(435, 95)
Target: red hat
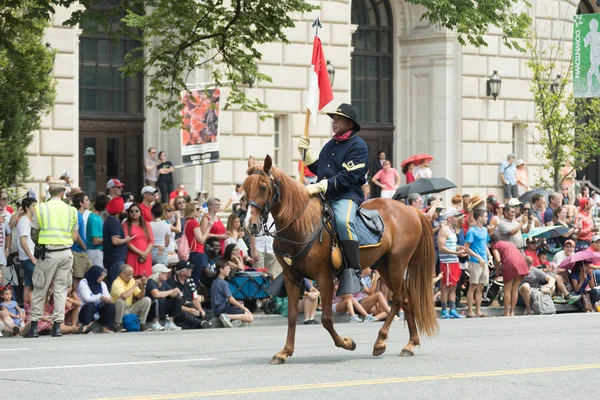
(583, 202)
(115, 206)
(114, 183)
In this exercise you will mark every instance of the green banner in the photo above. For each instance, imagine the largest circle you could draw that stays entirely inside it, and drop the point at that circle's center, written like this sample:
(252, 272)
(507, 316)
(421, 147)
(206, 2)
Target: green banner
(586, 55)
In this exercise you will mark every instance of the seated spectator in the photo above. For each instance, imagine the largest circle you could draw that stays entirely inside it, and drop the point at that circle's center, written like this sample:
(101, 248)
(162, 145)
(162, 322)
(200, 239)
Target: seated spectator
(348, 304)
(581, 281)
(70, 325)
(535, 279)
(562, 275)
(543, 259)
(178, 192)
(161, 232)
(531, 250)
(234, 257)
(212, 248)
(223, 303)
(96, 301)
(192, 315)
(374, 302)
(14, 318)
(308, 303)
(166, 301)
(123, 292)
(236, 236)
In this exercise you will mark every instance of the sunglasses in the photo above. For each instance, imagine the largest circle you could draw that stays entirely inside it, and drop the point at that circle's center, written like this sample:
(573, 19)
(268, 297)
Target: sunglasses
(198, 209)
(134, 211)
(170, 210)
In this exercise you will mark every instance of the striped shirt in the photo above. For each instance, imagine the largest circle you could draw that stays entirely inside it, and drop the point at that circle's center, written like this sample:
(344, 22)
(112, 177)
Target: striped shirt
(451, 240)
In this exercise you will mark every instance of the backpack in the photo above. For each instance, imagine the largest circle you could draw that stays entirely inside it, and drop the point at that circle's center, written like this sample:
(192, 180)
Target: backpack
(131, 322)
(183, 246)
(541, 303)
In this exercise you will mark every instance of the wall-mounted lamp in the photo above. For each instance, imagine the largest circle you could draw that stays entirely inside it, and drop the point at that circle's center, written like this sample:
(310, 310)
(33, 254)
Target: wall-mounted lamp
(493, 85)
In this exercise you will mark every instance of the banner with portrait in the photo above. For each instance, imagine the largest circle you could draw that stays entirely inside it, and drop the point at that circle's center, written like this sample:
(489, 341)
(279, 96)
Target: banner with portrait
(586, 56)
(200, 131)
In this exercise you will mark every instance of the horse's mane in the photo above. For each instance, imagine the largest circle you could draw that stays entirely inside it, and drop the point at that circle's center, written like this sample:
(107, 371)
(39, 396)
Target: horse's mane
(293, 197)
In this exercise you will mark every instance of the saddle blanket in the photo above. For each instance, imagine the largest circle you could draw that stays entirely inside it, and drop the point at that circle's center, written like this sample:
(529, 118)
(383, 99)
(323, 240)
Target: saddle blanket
(369, 228)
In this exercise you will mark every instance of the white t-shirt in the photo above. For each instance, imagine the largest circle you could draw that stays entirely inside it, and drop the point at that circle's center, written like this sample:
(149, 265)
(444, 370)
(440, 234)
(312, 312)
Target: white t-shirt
(160, 230)
(172, 244)
(423, 173)
(264, 244)
(236, 197)
(4, 232)
(24, 229)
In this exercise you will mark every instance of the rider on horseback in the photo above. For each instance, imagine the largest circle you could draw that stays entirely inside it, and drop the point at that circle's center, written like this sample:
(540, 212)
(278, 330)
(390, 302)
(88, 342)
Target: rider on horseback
(341, 169)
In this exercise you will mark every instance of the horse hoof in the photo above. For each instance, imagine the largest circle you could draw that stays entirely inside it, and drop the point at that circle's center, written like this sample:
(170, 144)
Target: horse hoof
(377, 351)
(406, 353)
(277, 361)
(353, 346)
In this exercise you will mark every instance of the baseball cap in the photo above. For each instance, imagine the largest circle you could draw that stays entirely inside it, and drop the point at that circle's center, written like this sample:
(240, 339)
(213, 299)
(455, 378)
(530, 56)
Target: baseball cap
(572, 242)
(453, 212)
(491, 198)
(58, 184)
(595, 238)
(183, 265)
(114, 183)
(160, 268)
(514, 202)
(149, 189)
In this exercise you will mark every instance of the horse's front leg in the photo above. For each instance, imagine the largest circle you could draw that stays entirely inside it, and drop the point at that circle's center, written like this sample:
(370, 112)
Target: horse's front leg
(292, 287)
(326, 288)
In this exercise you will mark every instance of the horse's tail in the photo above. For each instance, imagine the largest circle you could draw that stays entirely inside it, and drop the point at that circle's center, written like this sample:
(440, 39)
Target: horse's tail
(420, 274)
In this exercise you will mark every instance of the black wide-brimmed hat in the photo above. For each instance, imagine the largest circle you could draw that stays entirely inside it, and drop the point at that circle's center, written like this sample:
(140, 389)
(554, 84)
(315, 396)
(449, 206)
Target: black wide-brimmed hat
(348, 111)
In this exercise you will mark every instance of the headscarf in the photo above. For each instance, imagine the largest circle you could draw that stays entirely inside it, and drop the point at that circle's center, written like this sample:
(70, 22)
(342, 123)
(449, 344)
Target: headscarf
(115, 206)
(91, 276)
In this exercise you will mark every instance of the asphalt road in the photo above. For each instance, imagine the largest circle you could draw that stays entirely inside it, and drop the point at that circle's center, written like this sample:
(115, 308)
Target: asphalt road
(535, 357)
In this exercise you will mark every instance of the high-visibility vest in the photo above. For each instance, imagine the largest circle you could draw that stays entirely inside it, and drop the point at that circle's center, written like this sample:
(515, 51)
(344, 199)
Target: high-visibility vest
(56, 220)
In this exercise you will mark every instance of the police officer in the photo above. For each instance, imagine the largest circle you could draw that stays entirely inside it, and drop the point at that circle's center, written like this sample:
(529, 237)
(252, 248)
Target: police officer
(55, 225)
(341, 170)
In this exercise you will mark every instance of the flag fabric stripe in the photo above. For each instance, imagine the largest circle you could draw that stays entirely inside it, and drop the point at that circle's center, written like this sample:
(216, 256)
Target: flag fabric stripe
(319, 88)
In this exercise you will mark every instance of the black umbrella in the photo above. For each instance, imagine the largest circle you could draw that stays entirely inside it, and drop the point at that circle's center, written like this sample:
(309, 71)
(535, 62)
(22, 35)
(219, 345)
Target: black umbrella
(526, 197)
(424, 186)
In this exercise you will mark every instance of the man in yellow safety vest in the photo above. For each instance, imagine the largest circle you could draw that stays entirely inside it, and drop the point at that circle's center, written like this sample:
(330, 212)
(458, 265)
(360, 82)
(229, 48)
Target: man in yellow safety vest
(54, 223)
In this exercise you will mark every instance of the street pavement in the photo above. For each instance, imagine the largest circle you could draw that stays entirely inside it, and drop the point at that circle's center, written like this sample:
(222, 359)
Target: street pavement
(487, 358)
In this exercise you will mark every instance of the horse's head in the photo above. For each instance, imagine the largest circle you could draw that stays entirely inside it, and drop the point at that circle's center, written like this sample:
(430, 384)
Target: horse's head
(261, 191)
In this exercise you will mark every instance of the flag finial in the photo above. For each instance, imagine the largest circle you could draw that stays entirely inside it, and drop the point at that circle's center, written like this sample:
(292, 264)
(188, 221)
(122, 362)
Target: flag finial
(317, 25)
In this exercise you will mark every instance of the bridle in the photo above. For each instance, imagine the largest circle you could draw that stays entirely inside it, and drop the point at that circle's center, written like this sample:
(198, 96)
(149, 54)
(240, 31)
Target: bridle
(275, 197)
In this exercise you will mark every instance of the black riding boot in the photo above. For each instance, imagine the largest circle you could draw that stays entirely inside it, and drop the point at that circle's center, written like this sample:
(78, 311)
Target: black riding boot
(56, 330)
(277, 287)
(33, 330)
(350, 278)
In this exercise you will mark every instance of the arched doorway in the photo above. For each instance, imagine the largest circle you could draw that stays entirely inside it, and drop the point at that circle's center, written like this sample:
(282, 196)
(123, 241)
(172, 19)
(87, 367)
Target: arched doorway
(372, 75)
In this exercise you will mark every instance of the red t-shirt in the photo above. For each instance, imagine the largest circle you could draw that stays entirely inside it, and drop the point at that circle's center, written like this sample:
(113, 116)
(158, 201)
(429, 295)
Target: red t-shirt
(219, 229)
(307, 172)
(409, 177)
(190, 225)
(146, 212)
(534, 257)
(175, 193)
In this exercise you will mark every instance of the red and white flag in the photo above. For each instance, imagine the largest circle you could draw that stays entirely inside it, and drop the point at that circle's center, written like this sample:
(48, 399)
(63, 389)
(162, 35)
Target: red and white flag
(319, 88)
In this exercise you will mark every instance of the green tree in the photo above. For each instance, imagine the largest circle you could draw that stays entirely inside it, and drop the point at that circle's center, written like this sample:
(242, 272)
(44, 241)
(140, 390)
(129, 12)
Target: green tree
(567, 129)
(26, 89)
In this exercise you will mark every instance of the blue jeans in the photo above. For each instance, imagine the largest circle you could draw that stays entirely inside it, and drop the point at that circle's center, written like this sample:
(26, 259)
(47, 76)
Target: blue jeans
(199, 260)
(112, 272)
(345, 213)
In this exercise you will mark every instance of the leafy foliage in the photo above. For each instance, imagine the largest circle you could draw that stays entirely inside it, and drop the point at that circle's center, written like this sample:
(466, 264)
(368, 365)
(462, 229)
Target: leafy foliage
(473, 19)
(568, 128)
(26, 87)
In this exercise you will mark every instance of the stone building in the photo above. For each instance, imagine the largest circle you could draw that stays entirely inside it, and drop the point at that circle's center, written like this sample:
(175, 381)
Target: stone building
(417, 91)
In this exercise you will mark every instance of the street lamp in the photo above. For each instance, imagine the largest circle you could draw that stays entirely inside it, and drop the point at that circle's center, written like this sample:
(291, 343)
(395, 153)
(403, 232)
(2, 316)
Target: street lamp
(493, 85)
(331, 72)
(556, 85)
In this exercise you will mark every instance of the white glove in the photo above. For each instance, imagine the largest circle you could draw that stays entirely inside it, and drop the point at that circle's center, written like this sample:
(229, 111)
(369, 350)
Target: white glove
(304, 144)
(316, 188)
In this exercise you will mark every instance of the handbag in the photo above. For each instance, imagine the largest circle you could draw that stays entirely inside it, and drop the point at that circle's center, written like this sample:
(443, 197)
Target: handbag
(542, 303)
(183, 246)
(131, 322)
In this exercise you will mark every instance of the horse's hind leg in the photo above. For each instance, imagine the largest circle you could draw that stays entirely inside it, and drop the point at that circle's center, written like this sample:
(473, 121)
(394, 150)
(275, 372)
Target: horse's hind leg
(408, 350)
(379, 346)
(325, 281)
(293, 291)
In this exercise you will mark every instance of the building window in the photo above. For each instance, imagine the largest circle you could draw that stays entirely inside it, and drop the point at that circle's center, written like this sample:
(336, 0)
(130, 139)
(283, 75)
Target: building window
(277, 142)
(372, 60)
(519, 140)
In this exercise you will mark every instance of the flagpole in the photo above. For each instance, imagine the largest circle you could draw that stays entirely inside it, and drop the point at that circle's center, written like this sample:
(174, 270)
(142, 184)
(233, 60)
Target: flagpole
(303, 158)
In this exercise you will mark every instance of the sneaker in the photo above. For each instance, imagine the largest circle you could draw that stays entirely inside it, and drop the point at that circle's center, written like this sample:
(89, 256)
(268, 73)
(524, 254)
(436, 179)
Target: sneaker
(573, 298)
(455, 315)
(445, 314)
(559, 300)
(156, 326)
(370, 318)
(206, 324)
(354, 319)
(118, 328)
(236, 323)
(225, 320)
(170, 326)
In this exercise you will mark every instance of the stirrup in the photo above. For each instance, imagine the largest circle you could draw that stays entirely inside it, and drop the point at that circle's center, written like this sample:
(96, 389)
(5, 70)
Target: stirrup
(277, 287)
(349, 282)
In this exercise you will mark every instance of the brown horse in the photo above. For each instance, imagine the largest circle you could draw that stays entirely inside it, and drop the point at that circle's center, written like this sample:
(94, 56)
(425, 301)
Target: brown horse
(406, 248)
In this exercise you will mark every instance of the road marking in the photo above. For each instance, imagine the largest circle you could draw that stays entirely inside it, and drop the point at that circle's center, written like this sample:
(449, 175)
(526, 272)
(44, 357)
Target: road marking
(106, 365)
(19, 349)
(329, 385)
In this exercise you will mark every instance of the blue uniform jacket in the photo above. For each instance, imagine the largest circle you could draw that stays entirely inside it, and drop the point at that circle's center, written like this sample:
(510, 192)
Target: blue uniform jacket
(344, 164)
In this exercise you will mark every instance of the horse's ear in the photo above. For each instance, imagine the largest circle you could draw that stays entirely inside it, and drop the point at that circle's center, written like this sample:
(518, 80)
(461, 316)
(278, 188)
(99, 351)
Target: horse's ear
(268, 164)
(251, 161)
